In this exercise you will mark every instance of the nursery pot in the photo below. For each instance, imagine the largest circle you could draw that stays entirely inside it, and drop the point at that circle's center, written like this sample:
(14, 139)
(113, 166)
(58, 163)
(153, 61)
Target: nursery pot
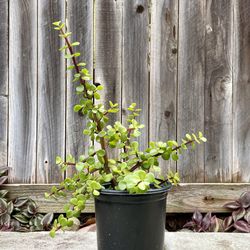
(131, 221)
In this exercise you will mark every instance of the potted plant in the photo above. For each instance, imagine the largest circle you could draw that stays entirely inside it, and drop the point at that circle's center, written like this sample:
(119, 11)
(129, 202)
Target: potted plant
(130, 194)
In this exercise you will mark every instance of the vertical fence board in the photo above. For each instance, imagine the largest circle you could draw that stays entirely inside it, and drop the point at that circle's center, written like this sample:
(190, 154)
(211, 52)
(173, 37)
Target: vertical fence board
(108, 28)
(241, 92)
(163, 73)
(22, 90)
(191, 84)
(80, 23)
(135, 80)
(4, 49)
(218, 91)
(51, 92)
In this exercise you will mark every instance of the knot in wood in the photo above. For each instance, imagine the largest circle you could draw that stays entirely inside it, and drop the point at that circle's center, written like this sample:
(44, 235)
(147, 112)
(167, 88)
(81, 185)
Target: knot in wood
(208, 198)
(139, 9)
(167, 113)
(174, 50)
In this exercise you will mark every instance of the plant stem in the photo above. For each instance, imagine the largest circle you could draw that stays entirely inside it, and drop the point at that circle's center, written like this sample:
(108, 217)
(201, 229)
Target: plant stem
(74, 62)
(98, 125)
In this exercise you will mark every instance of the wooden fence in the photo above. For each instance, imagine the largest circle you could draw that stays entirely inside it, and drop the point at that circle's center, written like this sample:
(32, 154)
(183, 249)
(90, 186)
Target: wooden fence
(186, 63)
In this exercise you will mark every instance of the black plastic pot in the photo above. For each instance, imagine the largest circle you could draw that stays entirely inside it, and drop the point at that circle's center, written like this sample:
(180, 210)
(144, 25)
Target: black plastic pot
(131, 221)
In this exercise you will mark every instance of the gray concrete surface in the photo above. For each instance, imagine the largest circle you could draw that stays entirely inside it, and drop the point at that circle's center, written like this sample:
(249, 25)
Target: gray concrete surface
(87, 241)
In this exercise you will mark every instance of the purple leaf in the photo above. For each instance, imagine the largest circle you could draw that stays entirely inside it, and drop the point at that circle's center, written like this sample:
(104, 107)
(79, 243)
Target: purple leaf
(242, 226)
(3, 179)
(206, 221)
(197, 217)
(227, 223)
(232, 205)
(247, 216)
(238, 214)
(189, 224)
(214, 224)
(3, 169)
(244, 199)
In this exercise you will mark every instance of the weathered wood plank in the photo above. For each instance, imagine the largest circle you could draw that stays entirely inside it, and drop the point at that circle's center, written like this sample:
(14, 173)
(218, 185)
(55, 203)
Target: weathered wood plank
(80, 23)
(241, 92)
(22, 90)
(163, 73)
(182, 199)
(51, 93)
(191, 78)
(108, 39)
(135, 77)
(4, 49)
(218, 91)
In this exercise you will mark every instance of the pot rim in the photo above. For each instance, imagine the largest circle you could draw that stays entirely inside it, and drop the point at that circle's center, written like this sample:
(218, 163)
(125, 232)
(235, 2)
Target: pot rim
(164, 189)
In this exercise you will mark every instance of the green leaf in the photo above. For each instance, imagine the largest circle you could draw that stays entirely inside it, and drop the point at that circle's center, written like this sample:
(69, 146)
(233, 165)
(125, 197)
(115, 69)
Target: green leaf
(165, 156)
(63, 221)
(195, 138)
(75, 44)
(70, 67)
(52, 233)
(111, 104)
(63, 48)
(99, 87)
(96, 193)
(100, 152)
(203, 139)
(58, 160)
(77, 107)
(56, 23)
(81, 64)
(188, 136)
(79, 166)
(73, 201)
(142, 186)
(150, 177)
(86, 132)
(80, 88)
(97, 96)
(175, 157)
(76, 54)
(91, 160)
(95, 185)
(122, 185)
(102, 133)
(108, 177)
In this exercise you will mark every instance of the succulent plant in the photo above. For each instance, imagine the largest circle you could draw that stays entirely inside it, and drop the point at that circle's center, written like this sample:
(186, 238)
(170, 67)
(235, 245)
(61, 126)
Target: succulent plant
(208, 223)
(133, 169)
(239, 220)
(20, 214)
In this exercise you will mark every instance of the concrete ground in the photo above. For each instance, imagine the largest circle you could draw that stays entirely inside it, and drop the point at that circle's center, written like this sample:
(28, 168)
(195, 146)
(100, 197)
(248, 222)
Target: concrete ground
(87, 241)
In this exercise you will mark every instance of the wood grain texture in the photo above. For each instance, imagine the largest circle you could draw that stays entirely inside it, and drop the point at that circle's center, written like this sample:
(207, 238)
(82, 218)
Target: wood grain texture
(135, 68)
(80, 23)
(185, 198)
(241, 92)
(163, 73)
(108, 52)
(218, 91)
(4, 49)
(51, 93)
(22, 90)
(191, 81)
